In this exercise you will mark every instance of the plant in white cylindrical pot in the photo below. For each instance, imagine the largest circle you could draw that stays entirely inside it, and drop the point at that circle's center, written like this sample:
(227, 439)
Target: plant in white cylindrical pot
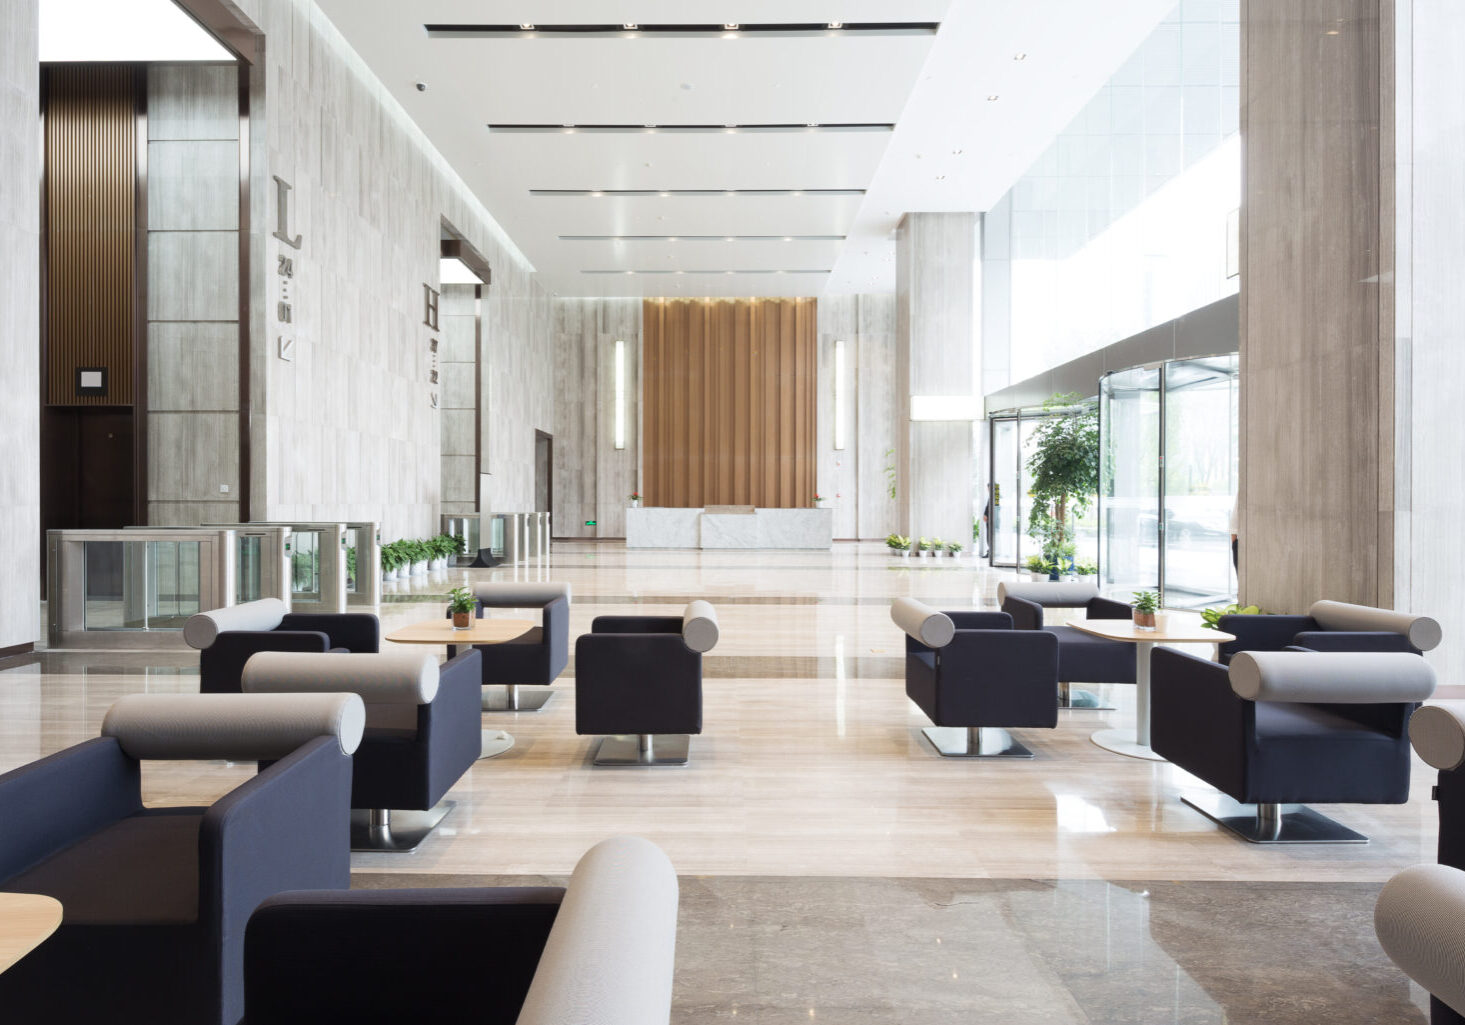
(1037, 568)
(923, 547)
(898, 545)
(1146, 604)
(635, 499)
(953, 549)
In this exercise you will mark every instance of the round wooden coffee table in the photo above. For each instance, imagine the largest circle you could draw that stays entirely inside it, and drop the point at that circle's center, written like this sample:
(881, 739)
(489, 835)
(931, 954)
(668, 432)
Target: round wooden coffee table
(26, 920)
(483, 631)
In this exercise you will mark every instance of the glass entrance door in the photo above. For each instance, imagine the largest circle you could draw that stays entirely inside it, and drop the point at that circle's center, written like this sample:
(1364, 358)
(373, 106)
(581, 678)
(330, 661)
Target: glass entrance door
(1004, 527)
(1129, 480)
(1200, 480)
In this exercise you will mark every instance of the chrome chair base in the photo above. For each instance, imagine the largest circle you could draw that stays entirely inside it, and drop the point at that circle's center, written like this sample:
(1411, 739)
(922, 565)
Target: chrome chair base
(385, 829)
(517, 698)
(974, 742)
(644, 749)
(1273, 823)
(1070, 696)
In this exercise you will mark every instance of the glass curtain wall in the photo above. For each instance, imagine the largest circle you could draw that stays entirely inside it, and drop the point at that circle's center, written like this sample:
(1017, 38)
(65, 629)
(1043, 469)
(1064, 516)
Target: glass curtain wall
(1168, 471)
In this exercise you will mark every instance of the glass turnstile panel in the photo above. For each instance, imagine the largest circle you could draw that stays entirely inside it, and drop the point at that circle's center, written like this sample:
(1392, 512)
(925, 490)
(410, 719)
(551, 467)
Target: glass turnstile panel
(140, 585)
(249, 569)
(305, 565)
(1200, 480)
(1129, 480)
(1005, 522)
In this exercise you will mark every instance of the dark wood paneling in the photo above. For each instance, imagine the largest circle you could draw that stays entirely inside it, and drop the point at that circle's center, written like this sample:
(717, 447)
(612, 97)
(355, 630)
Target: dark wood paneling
(92, 306)
(729, 402)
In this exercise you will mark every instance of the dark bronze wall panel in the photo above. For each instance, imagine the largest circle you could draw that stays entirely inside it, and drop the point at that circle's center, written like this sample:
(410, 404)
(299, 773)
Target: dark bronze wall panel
(729, 402)
(91, 229)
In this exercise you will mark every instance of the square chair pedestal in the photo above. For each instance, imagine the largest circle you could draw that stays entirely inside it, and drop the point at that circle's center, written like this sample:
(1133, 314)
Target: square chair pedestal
(517, 698)
(974, 742)
(644, 749)
(383, 829)
(1272, 823)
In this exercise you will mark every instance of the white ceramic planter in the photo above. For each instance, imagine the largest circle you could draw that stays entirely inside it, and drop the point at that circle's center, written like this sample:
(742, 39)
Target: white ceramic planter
(419, 567)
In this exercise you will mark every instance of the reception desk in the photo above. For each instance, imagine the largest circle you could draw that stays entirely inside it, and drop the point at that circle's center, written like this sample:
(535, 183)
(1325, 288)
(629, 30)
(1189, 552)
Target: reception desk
(729, 527)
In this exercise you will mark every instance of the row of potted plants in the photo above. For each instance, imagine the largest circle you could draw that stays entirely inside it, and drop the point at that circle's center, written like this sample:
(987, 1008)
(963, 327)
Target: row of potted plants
(926, 547)
(1040, 568)
(409, 557)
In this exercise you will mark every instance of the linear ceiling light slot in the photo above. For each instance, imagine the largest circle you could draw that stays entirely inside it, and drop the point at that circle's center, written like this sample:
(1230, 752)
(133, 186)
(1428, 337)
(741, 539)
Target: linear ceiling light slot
(637, 193)
(720, 30)
(763, 129)
(701, 238)
(660, 271)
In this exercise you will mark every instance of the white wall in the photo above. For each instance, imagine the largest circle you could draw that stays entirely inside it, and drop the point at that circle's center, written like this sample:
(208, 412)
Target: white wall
(347, 429)
(20, 325)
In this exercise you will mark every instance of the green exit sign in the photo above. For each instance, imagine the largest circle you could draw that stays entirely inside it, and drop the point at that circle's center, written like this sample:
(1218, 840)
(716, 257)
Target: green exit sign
(589, 523)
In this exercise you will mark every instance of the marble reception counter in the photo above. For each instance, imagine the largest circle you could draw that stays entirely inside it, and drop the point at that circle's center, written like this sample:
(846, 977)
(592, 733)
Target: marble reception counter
(729, 527)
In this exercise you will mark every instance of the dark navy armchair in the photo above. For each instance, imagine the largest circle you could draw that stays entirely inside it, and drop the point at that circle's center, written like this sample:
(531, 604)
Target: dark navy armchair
(535, 658)
(1081, 656)
(227, 637)
(1331, 626)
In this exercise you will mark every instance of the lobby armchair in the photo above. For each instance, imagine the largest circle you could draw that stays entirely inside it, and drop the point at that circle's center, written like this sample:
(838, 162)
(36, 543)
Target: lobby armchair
(600, 951)
(1331, 626)
(1419, 920)
(422, 733)
(535, 658)
(638, 684)
(1277, 730)
(227, 637)
(975, 677)
(1081, 656)
(155, 899)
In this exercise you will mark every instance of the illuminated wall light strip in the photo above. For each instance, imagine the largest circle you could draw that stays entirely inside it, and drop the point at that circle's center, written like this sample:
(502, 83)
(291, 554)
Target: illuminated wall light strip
(572, 129)
(729, 29)
(841, 399)
(620, 394)
(699, 193)
(700, 238)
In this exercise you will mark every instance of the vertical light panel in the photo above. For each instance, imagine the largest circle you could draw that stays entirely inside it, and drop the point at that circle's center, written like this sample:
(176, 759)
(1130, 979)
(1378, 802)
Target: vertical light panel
(841, 397)
(620, 394)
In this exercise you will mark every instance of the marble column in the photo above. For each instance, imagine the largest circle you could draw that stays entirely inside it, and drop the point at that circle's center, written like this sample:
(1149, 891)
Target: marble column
(20, 291)
(1351, 313)
(936, 358)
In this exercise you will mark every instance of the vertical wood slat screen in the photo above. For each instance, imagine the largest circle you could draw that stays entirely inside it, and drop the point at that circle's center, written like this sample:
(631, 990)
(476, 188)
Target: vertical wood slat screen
(728, 402)
(91, 229)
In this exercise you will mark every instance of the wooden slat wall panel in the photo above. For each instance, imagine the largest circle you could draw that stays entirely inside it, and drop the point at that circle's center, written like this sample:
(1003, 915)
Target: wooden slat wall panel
(729, 390)
(91, 229)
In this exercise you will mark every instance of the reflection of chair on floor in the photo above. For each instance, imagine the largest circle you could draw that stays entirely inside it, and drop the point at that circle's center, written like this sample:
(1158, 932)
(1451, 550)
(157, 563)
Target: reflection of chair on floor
(1278, 729)
(227, 637)
(535, 658)
(155, 899)
(423, 733)
(600, 951)
(974, 677)
(1332, 626)
(1081, 656)
(638, 683)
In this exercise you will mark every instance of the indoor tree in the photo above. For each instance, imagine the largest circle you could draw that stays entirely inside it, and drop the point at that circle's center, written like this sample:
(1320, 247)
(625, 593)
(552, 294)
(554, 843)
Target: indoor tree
(1064, 470)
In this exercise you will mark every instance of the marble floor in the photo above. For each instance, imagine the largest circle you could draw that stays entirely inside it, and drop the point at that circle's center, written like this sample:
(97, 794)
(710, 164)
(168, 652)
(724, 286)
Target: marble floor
(833, 865)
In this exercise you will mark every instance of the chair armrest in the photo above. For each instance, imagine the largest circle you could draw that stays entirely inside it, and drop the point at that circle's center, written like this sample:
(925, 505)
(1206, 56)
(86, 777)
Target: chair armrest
(1026, 615)
(636, 625)
(981, 620)
(1108, 608)
(1197, 720)
(459, 696)
(288, 828)
(221, 664)
(1003, 655)
(1354, 640)
(63, 798)
(1261, 633)
(1420, 923)
(359, 632)
(394, 955)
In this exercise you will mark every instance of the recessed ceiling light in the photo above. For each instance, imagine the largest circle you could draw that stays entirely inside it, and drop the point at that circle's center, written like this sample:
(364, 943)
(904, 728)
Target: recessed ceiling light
(569, 126)
(527, 26)
(629, 26)
(731, 26)
(941, 177)
(788, 238)
(1019, 56)
(993, 98)
(836, 24)
(956, 152)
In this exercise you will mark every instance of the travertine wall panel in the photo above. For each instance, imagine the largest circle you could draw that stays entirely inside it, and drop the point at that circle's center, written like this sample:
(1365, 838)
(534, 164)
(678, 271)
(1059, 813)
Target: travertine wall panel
(20, 290)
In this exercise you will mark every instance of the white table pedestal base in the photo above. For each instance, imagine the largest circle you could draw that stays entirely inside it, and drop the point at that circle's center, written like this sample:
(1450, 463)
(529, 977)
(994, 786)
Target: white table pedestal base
(1122, 742)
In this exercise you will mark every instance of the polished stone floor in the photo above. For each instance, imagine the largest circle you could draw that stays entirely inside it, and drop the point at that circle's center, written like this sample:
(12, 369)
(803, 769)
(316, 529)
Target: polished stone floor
(833, 866)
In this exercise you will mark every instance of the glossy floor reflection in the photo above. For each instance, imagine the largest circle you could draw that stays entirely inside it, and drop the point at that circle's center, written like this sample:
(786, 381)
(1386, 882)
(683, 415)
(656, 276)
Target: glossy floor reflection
(775, 951)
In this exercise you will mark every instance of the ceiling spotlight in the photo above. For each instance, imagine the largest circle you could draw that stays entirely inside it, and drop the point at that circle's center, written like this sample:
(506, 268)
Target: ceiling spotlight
(956, 152)
(527, 26)
(568, 125)
(992, 98)
(649, 125)
(811, 124)
(836, 24)
(630, 26)
(1019, 56)
(788, 238)
(731, 26)
(941, 177)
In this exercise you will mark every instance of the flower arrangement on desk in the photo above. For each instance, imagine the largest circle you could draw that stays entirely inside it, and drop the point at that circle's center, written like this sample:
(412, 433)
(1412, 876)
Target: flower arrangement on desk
(819, 501)
(1146, 604)
(462, 605)
(635, 499)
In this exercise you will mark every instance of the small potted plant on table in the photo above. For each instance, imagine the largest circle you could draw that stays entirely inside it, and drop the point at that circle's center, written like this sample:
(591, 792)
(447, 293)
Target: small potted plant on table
(462, 605)
(1146, 604)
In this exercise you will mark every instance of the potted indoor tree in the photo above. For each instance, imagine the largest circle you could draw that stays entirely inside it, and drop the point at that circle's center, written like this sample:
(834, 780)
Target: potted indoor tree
(462, 605)
(1064, 467)
(1146, 604)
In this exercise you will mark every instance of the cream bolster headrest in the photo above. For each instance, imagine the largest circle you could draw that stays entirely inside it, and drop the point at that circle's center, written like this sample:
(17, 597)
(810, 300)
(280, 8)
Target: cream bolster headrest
(510, 594)
(1420, 922)
(699, 626)
(1343, 677)
(1058, 594)
(408, 678)
(1421, 631)
(923, 623)
(204, 628)
(1438, 735)
(593, 967)
(234, 727)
